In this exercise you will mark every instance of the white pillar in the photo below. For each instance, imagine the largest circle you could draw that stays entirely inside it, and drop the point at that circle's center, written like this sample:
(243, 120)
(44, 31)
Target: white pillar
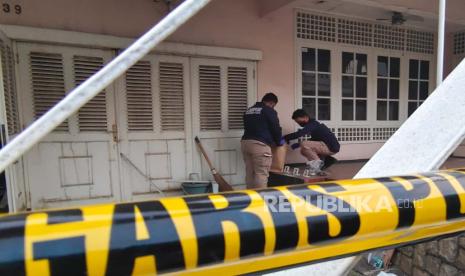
(440, 49)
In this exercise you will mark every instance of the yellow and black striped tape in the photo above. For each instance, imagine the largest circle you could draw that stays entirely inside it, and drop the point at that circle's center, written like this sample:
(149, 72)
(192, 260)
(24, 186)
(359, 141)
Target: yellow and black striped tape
(236, 232)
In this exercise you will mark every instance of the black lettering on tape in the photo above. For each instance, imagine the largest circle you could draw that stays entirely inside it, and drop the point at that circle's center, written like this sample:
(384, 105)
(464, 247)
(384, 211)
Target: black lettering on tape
(405, 198)
(450, 195)
(285, 223)
(65, 256)
(12, 230)
(318, 225)
(163, 241)
(207, 221)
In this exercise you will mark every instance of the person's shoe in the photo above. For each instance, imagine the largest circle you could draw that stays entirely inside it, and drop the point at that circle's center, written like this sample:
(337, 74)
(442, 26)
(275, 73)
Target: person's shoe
(329, 161)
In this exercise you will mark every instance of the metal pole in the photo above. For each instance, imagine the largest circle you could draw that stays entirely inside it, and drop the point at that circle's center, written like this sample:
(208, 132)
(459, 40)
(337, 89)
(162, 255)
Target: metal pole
(91, 87)
(440, 53)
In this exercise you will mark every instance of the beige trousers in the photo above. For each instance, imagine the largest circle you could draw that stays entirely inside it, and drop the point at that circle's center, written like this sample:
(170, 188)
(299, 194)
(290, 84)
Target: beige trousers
(314, 150)
(257, 158)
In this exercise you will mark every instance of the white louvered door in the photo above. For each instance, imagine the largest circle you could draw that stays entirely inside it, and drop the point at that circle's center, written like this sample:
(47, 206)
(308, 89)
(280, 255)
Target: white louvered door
(78, 162)
(221, 92)
(155, 126)
(16, 189)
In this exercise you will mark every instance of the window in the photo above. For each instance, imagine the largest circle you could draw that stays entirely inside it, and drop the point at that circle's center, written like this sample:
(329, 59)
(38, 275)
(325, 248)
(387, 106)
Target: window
(388, 86)
(418, 85)
(316, 83)
(354, 86)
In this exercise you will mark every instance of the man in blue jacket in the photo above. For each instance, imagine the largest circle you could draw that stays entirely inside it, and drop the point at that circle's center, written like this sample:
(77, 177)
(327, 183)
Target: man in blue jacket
(261, 132)
(323, 142)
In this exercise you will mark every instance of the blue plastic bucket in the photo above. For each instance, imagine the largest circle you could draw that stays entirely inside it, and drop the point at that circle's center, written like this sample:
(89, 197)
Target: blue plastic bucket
(196, 187)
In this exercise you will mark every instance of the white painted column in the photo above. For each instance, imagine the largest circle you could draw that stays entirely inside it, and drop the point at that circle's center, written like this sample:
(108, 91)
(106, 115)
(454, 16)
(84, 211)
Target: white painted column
(440, 48)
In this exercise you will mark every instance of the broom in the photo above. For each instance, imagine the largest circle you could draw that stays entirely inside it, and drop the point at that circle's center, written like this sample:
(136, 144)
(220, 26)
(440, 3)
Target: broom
(222, 184)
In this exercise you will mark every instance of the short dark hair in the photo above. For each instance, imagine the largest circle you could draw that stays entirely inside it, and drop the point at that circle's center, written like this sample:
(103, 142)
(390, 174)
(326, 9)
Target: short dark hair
(299, 113)
(270, 97)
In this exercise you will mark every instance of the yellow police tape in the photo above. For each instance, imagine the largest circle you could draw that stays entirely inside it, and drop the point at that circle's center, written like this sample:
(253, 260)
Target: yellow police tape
(237, 232)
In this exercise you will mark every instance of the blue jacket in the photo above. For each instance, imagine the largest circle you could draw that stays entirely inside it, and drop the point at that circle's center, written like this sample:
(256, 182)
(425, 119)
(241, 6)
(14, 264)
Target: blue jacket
(261, 123)
(318, 132)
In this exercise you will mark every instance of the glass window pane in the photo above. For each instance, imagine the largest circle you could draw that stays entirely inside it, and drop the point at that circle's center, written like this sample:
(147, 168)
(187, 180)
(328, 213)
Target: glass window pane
(393, 111)
(413, 90)
(361, 64)
(324, 85)
(393, 89)
(381, 111)
(424, 70)
(395, 67)
(347, 63)
(324, 60)
(413, 69)
(324, 109)
(361, 87)
(382, 66)
(347, 110)
(308, 104)
(423, 90)
(382, 88)
(308, 59)
(360, 110)
(412, 106)
(347, 86)
(308, 84)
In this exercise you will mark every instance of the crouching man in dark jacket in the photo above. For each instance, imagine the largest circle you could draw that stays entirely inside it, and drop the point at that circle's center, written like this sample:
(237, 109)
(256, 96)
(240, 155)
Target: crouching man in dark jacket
(323, 142)
(261, 132)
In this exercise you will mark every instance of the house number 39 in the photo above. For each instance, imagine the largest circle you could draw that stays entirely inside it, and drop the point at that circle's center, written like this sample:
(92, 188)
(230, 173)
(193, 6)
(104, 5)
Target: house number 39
(8, 8)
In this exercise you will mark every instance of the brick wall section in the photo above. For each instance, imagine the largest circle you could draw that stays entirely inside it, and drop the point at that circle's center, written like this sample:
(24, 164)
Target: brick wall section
(444, 257)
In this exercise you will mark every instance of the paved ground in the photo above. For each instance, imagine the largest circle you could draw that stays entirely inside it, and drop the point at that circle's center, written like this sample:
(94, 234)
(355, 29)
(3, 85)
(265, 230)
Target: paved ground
(346, 170)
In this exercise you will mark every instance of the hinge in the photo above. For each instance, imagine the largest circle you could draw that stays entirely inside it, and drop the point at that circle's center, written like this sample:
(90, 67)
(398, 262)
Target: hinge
(253, 73)
(17, 58)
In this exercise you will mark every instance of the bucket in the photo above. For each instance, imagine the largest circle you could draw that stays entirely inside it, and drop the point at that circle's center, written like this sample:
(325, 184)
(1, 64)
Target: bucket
(192, 187)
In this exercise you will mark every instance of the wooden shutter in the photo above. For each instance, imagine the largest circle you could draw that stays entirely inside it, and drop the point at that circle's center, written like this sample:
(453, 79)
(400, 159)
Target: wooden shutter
(139, 97)
(237, 96)
(210, 97)
(48, 84)
(171, 81)
(9, 88)
(93, 115)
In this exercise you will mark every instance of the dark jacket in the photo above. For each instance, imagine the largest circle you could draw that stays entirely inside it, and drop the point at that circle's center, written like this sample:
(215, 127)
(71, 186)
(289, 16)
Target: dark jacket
(318, 132)
(261, 123)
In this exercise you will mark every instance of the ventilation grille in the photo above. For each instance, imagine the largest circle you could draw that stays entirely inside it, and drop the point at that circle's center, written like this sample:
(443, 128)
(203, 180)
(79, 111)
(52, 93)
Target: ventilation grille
(237, 96)
(172, 96)
(316, 27)
(210, 97)
(93, 115)
(353, 134)
(421, 42)
(9, 88)
(459, 43)
(48, 84)
(139, 97)
(383, 133)
(388, 37)
(354, 32)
